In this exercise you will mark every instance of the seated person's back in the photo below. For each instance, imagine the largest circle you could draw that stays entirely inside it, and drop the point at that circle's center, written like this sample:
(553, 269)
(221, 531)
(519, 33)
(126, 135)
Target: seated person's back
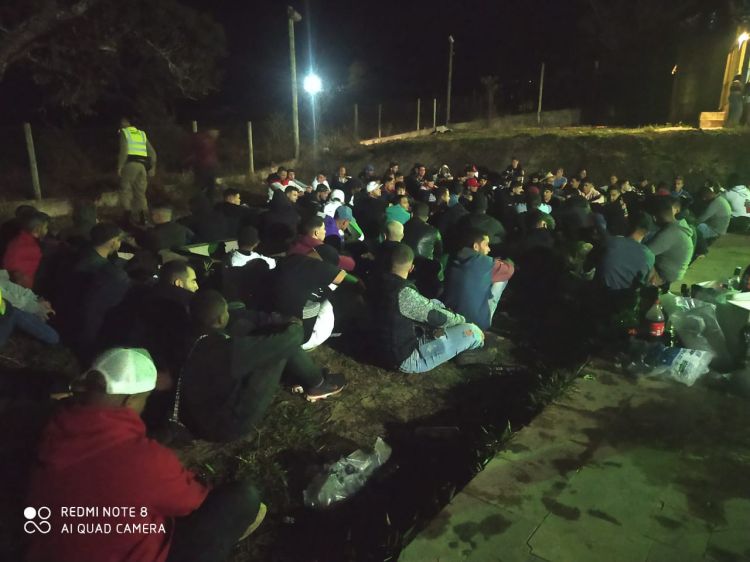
(94, 452)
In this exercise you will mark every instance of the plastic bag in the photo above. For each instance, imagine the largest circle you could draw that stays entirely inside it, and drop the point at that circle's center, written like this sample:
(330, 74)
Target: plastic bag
(346, 476)
(696, 325)
(682, 365)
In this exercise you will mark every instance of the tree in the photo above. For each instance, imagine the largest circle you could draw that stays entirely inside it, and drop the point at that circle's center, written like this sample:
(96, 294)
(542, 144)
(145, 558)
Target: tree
(80, 52)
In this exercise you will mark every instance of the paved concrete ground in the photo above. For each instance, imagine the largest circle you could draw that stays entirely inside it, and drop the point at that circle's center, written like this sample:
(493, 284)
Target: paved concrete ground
(618, 471)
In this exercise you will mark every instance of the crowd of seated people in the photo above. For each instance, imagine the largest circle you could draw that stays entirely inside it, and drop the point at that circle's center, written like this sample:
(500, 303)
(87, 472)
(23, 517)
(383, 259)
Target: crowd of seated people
(199, 321)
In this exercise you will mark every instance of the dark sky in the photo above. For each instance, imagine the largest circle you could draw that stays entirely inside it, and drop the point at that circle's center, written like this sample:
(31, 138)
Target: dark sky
(402, 46)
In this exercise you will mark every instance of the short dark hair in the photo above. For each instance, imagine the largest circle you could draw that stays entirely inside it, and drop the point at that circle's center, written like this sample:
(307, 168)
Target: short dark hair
(473, 236)
(421, 210)
(104, 232)
(25, 211)
(457, 187)
(206, 307)
(440, 192)
(248, 236)
(399, 185)
(402, 255)
(230, 192)
(662, 207)
(173, 270)
(290, 188)
(310, 223)
(400, 198)
(479, 203)
(35, 219)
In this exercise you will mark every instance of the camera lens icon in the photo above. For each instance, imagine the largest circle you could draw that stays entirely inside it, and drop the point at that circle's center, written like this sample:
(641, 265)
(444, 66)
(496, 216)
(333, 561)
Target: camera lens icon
(31, 526)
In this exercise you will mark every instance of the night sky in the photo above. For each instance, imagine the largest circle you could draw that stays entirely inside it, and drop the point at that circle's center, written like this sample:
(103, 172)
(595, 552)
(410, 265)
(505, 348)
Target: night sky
(402, 47)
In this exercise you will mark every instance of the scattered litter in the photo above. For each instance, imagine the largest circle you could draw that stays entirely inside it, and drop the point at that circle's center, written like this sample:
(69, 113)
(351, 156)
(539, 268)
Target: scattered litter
(346, 476)
(682, 365)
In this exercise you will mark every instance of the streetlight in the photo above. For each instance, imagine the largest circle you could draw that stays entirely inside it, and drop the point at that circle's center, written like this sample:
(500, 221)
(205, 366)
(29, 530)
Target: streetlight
(294, 17)
(744, 36)
(313, 85)
(450, 81)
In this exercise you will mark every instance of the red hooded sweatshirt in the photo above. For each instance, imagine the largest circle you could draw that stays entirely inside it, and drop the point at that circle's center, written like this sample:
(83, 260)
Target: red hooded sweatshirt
(100, 458)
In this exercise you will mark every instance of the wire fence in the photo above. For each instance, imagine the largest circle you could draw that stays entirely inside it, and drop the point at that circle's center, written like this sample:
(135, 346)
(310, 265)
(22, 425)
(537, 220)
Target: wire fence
(81, 161)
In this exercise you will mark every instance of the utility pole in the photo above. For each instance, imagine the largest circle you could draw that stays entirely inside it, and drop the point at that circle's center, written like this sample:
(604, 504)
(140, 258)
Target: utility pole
(541, 92)
(356, 121)
(450, 80)
(419, 110)
(294, 17)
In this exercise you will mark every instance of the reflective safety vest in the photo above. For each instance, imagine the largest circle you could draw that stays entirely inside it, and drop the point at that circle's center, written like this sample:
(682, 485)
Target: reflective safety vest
(137, 143)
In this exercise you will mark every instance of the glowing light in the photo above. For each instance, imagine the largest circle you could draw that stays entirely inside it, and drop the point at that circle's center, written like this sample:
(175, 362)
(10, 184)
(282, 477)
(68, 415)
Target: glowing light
(742, 38)
(674, 70)
(312, 84)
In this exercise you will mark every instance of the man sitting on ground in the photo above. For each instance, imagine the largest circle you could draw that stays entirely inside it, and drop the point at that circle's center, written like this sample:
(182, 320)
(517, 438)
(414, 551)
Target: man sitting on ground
(394, 234)
(166, 234)
(624, 260)
(236, 214)
(94, 452)
(415, 334)
(479, 219)
(228, 382)
(96, 284)
(714, 221)
(247, 242)
(474, 282)
(400, 210)
(24, 253)
(672, 245)
(313, 235)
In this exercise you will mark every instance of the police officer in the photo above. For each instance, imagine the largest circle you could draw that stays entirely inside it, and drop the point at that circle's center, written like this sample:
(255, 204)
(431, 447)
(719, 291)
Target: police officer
(135, 163)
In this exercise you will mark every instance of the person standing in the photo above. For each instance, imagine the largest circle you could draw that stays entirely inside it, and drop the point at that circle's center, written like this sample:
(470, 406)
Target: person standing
(135, 164)
(205, 161)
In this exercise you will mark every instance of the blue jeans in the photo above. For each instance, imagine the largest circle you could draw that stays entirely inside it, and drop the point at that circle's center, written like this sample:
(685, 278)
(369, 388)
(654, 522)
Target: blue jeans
(28, 323)
(494, 300)
(708, 232)
(436, 351)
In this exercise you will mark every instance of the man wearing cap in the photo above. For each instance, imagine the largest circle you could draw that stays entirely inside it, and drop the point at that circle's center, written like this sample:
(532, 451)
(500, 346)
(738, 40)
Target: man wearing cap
(135, 164)
(94, 454)
(342, 226)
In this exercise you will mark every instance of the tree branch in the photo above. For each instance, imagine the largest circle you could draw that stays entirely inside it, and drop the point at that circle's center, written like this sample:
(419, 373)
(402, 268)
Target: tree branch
(18, 41)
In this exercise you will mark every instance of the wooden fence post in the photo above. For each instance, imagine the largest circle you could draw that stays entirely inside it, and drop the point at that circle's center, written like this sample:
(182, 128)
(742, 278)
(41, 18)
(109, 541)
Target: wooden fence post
(32, 161)
(250, 147)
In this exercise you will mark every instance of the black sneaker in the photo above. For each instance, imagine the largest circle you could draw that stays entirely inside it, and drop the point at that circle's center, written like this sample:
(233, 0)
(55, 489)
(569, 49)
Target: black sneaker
(481, 356)
(332, 384)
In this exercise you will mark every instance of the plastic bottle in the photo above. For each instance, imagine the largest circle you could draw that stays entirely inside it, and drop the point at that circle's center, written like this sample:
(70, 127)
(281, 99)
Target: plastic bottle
(655, 320)
(735, 281)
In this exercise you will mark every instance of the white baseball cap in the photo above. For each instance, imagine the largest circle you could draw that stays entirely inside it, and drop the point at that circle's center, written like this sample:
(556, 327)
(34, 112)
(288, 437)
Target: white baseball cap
(126, 370)
(372, 186)
(337, 195)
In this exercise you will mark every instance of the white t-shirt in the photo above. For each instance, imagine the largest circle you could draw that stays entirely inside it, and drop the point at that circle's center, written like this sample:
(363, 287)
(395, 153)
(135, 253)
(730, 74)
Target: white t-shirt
(738, 197)
(239, 259)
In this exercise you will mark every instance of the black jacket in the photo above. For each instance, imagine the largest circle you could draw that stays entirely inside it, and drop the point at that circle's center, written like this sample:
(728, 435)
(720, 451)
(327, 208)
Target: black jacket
(229, 382)
(423, 238)
(493, 227)
(395, 335)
